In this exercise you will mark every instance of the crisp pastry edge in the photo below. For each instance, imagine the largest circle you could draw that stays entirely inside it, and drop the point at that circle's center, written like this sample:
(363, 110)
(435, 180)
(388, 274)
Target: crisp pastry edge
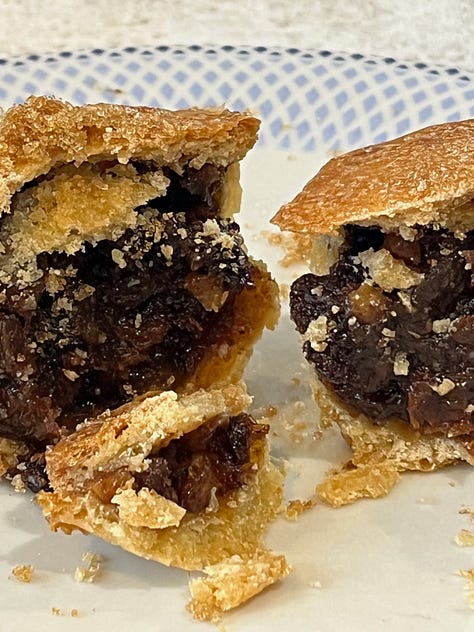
(235, 526)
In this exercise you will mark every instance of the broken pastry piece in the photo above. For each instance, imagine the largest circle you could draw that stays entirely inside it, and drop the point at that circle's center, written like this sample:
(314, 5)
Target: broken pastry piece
(387, 313)
(230, 583)
(183, 480)
(121, 270)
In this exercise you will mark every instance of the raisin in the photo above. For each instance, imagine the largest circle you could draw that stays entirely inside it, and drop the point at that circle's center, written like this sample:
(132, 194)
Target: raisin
(463, 330)
(157, 477)
(368, 304)
(214, 456)
(408, 251)
(34, 476)
(397, 355)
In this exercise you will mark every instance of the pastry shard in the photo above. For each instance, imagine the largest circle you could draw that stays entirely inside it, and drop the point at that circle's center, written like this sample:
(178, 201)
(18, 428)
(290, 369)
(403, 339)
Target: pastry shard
(233, 581)
(122, 272)
(387, 313)
(183, 480)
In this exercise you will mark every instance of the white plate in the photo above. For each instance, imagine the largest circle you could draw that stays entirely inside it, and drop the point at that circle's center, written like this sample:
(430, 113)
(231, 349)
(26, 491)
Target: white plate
(389, 563)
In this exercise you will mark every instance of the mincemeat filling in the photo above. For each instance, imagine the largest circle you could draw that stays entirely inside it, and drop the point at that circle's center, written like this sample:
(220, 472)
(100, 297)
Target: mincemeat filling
(214, 458)
(396, 344)
(120, 318)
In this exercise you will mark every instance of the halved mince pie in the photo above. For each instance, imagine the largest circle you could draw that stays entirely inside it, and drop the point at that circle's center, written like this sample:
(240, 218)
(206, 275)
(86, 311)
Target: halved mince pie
(387, 312)
(122, 271)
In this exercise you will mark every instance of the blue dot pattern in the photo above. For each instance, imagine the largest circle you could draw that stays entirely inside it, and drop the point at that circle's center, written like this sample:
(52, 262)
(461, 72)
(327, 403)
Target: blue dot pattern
(306, 99)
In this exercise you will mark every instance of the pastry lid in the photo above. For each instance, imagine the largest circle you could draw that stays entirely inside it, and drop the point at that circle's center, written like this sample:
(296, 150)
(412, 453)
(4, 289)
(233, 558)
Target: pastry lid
(420, 178)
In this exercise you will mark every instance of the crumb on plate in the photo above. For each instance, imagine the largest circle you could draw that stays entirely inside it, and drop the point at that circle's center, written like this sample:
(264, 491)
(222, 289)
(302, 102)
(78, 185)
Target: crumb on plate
(233, 581)
(284, 291)
(465, 538)
(469, 587)
(88, 573)
(295, 508)
(23, 573)
(315, 584)
(345, 486)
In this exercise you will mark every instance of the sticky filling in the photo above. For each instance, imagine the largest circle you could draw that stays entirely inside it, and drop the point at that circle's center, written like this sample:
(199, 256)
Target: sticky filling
(207, 463)
(89, 330)
(390, 330)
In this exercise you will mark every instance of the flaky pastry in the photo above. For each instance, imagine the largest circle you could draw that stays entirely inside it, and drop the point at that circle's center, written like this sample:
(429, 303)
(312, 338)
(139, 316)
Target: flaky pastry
(387, 313)
(183, 480)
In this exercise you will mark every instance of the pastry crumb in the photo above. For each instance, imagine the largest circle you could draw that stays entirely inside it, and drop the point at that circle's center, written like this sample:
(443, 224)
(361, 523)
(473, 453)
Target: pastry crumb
(18, 484)
(23, 573)
(388, 272)
(292, 421)
(284, 291)
(318, 434)
(296, 428)
(57, 612)
(315, 584)
(295, 508)
(469, 587)
(345, 486)
(425, 501)
(232, 582)
(88, 573)
(270, 411)
(465, 538)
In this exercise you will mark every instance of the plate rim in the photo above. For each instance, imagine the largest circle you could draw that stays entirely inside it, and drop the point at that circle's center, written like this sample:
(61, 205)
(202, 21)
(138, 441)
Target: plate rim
(309, 54)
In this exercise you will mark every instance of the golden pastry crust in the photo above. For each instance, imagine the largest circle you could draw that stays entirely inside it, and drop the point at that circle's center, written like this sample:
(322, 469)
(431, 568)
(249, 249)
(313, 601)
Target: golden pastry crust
(379, 451)
(45, 133)
(233, 581)
(82, 160)
(421, 178)
(425, 178)
(125, 437)
(91, 473)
